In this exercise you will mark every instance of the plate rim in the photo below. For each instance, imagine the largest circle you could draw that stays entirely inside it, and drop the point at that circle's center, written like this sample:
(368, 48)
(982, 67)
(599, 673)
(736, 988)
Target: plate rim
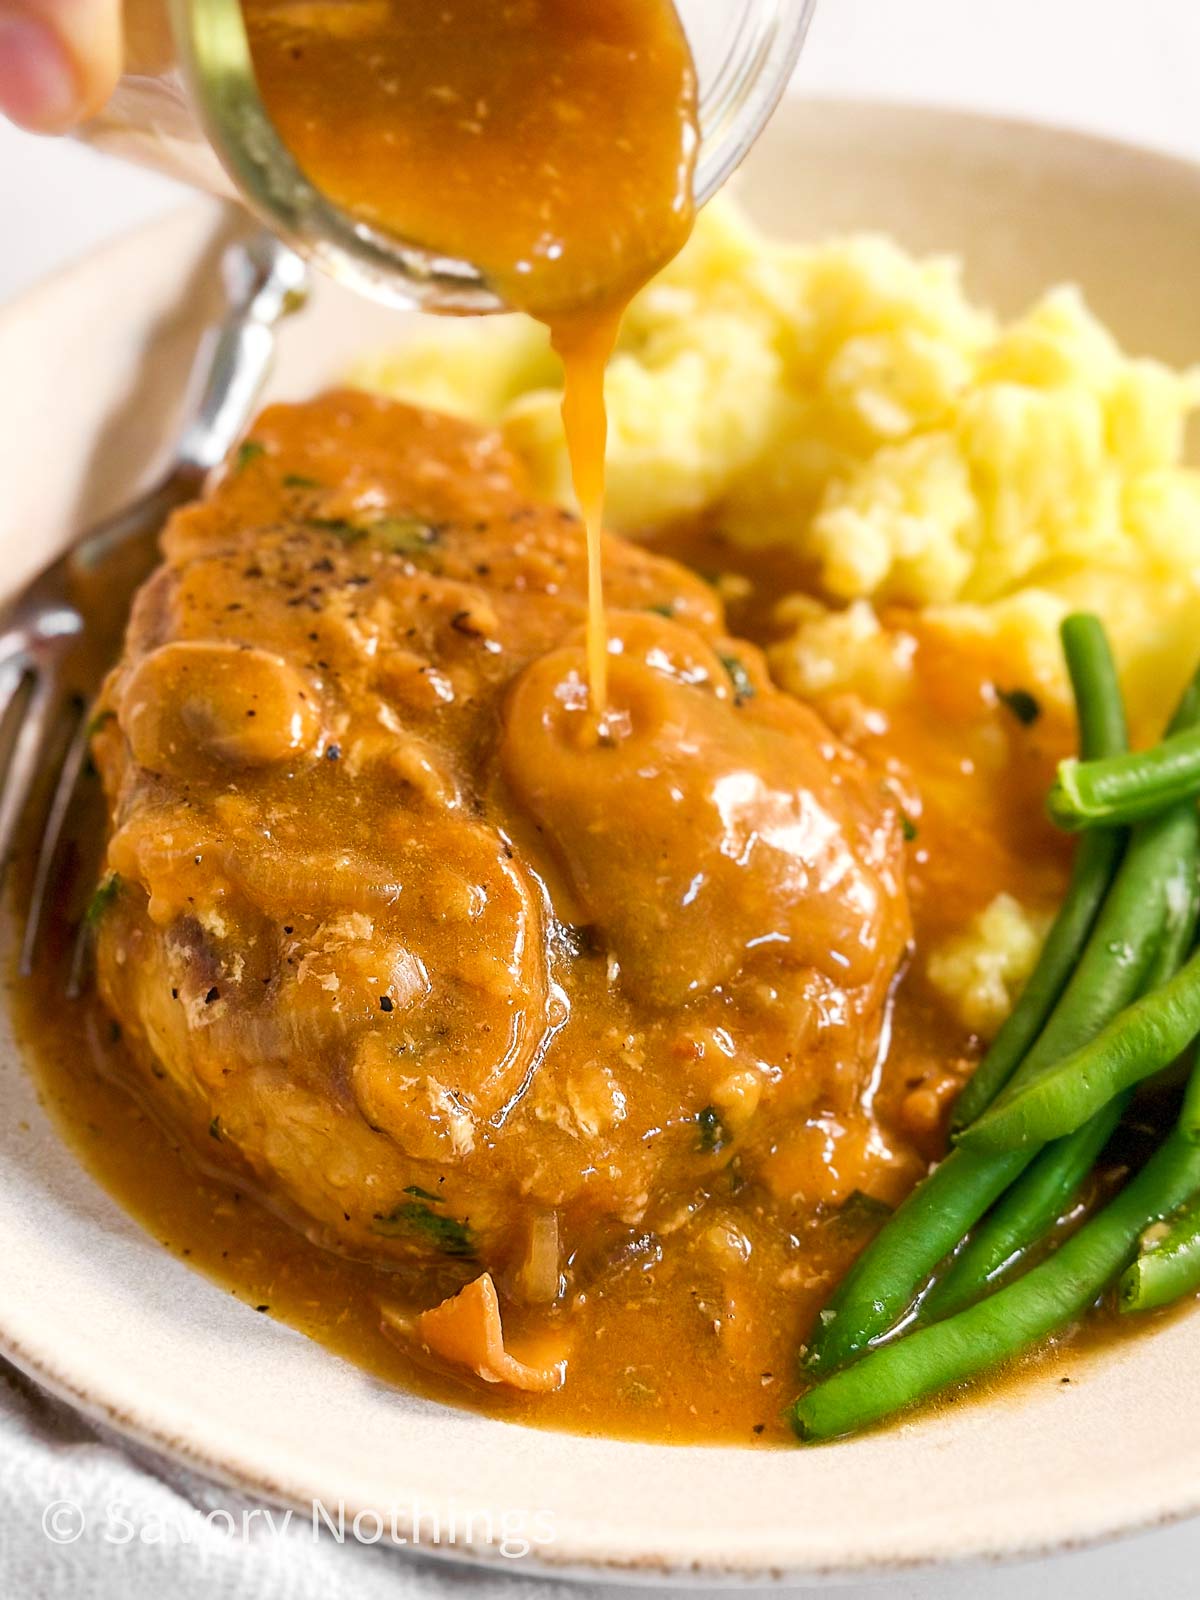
(137, 1422)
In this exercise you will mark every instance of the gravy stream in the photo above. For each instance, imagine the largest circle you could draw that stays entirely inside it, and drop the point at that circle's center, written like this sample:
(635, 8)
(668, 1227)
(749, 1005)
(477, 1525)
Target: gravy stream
(551, 143)
(585, 346)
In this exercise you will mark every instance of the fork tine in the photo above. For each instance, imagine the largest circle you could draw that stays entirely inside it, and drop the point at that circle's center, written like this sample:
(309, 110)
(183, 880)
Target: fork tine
(38, 631)
(14, 668)
(48, 845)
(80, 967)
(26, 760)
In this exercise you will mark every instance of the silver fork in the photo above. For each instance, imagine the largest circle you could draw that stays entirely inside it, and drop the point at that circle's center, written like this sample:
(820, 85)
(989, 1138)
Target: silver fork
(73, 614)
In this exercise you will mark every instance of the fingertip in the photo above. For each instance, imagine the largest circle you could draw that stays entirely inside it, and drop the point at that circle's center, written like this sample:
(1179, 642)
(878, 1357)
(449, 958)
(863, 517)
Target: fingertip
(59, 60)
(91, 34)
(39, 86)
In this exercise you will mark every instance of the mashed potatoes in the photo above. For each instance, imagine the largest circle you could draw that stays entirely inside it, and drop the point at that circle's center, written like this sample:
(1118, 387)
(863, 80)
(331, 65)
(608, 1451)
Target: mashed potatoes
(982, 970)
(849, 402)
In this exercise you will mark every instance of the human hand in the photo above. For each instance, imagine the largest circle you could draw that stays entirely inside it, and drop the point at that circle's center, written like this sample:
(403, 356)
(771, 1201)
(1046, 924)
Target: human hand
(59, 60)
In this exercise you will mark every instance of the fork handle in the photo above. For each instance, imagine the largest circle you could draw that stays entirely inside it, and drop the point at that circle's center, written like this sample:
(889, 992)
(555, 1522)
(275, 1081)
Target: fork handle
(264, 282)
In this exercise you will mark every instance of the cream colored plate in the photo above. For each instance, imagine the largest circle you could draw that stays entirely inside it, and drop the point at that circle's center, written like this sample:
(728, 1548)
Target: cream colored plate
(91, 365)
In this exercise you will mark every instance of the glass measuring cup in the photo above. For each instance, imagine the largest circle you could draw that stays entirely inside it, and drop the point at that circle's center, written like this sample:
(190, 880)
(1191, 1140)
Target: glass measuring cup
(188, 104)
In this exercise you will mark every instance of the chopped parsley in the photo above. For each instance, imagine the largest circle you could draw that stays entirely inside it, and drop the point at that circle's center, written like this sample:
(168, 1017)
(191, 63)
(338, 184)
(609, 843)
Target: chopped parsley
(861, 1211)
(214, 1129)
(908, 825)
(662, 610)
(447, 1234)
(249, 450)
(101, 719)
(403, 536)
(297, 480)
(1023, 705)
(712, 1135)
(743, 684)
(347, 532)
(400, 536)
(103, 896)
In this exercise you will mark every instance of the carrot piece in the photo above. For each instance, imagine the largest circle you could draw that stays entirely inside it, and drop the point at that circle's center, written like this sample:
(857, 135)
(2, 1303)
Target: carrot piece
(466, 1329)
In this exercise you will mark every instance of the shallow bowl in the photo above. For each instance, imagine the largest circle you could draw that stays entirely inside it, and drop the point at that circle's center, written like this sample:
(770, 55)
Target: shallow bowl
(94, 363)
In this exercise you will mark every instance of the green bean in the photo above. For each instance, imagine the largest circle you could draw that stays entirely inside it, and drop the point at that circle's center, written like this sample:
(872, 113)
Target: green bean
(1189, 1116)
(1182, 911)
(1125, 788)
(1146, 1037)
(1168, 1267)
(1045, 1191)
(1179, 938)
(1024, 1215)
(1187, 712)
(1107, 770)
(1102, 732)
(1099, 708)
(885, 1280)
(1091, 874)
(1046, 1299)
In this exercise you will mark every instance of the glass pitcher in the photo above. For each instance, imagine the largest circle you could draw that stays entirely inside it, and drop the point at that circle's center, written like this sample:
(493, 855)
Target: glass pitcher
(188, 105)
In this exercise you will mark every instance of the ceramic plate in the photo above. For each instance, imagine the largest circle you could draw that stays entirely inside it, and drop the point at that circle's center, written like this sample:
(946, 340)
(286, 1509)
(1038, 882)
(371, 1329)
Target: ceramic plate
(93, 363)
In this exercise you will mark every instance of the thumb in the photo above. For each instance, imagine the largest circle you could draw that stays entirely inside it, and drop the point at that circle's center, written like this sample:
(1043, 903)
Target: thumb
(59, 60)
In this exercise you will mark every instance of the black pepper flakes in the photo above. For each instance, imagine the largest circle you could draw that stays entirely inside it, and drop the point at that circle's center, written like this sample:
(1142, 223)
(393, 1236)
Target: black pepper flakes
(213, 994)
(385, 1003)
(1023, 705)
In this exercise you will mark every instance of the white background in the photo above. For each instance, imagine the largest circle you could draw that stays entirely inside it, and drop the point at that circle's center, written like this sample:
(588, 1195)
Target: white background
(1129, 67)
